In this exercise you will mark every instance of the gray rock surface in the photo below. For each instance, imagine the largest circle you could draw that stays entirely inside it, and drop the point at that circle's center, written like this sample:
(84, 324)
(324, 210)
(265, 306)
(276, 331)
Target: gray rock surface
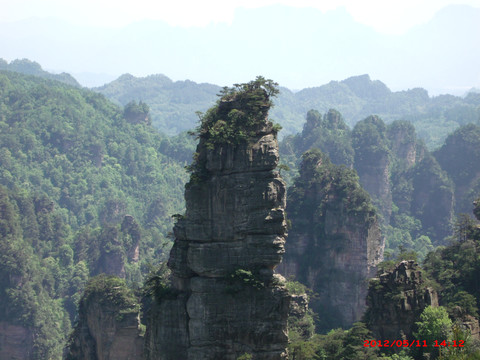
(227, 301)
(335, 242)
(104, 332)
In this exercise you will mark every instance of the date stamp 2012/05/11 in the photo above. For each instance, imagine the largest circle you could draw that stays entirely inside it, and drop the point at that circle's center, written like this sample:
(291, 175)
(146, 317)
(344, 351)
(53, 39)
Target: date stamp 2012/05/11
(412, 343)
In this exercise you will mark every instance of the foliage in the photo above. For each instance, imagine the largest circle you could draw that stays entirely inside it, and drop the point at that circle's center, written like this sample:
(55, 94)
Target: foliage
(240, 112)
(434, 325)
(137, 113)
(77, 148)
(325, 197)
(337, 344)
(369, 140)
(460, 158)
(168, 101)
(296, 288)
(157, 283)
(356, 98)
(240, 279)
(110, 291)
(28, 67)
(456, 269)
(245, 356)
(329, 133)
(346, 344)
(320, 179)
(37, 276)
(301, 324)
(72, 167)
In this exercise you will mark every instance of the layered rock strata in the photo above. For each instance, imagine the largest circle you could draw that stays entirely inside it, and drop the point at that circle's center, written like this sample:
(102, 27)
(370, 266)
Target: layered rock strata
(226, 299)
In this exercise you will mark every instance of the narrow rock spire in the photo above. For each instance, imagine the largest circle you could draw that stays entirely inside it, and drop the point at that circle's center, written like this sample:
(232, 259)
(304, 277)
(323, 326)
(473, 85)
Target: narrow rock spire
(227, 300)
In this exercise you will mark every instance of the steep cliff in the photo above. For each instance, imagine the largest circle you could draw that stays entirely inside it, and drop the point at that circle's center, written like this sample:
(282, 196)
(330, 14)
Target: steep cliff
(433, 199)
(335, 241)
(460, 158)
(108, 327)
(403, 143)
(395, 301)
(373, 161)
(225, 300)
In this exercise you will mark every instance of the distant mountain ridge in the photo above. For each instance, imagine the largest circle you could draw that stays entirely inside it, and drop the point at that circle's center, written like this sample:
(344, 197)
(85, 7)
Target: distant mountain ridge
(174, 104)
(28, 67)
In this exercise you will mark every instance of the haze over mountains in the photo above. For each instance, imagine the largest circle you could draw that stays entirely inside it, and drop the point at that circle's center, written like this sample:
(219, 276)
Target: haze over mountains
(298, 47)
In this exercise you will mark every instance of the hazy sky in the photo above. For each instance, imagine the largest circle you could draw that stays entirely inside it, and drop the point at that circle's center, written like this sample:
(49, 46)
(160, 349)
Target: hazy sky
(299, 43)
(386, 16)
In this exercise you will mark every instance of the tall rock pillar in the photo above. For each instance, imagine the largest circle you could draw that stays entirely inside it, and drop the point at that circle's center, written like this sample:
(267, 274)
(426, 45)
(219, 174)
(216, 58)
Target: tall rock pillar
(227, 300)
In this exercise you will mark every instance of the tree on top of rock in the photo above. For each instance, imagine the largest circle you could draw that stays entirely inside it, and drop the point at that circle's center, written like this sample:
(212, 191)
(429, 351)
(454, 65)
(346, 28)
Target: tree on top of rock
(240, 113)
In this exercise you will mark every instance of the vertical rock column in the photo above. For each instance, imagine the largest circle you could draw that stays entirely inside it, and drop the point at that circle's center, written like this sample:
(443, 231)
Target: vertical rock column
(228, 301)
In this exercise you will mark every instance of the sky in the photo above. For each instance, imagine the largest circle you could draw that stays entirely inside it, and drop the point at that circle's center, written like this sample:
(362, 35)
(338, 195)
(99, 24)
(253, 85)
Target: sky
(306, 43)
(386, 16)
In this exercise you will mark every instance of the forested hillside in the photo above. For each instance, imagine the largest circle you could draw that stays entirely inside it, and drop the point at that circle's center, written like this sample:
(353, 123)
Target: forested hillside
(355, 98)
(89, 186)
(169, 101)
(28, 67)
(86, 188)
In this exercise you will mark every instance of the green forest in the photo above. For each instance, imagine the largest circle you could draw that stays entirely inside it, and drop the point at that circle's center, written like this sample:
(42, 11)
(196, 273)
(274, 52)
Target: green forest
(91, 181)
(87, 188)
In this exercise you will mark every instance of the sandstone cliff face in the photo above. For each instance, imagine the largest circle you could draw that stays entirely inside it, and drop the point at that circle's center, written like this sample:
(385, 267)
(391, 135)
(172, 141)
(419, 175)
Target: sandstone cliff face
(375, 178)
(16, 341)
(337, 273)
(119, 246)
(373, 161)
(403, 143)
(433, 199)
(108, 324)
(226, 300)
(335, 242)
(395, 301)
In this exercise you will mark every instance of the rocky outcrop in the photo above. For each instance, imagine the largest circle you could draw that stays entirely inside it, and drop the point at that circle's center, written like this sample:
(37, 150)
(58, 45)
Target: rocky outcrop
(403, 141)
(119, 245)
(335, 242)
(132, 236)
(433, 199)
(395, 301)
(459, 157)
(108, 327)
(300, 320)
(373, 161)
(225, 300)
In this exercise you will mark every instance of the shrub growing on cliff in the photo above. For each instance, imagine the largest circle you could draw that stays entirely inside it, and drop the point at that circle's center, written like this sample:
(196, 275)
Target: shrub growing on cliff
(239, 113)
(240, 278)
(157, 284)
(109, 291)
